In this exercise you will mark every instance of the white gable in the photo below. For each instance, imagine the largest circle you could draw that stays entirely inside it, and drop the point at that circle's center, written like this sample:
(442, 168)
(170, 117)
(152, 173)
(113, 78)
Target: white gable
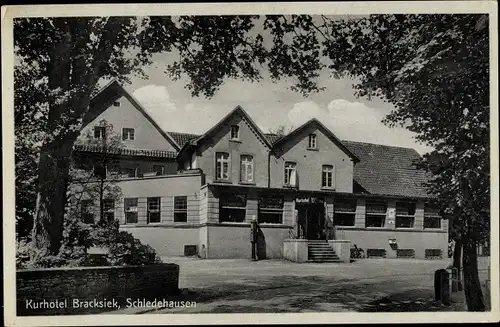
(126, 115)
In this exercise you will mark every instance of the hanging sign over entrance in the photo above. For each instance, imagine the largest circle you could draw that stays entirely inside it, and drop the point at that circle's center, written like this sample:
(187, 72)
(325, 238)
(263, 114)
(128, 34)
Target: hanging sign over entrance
(311, 199)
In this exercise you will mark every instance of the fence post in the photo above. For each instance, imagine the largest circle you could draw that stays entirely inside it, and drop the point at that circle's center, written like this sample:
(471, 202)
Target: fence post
(442, 286)
(454, 279)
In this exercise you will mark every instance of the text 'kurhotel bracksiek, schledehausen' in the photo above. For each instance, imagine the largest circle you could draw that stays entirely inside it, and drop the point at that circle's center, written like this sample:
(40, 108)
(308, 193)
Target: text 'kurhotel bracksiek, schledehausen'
(107, 304)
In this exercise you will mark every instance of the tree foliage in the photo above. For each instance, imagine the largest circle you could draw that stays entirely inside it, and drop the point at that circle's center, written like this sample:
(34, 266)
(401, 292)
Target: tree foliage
(434, 70)
(64, 58)
(281, 130)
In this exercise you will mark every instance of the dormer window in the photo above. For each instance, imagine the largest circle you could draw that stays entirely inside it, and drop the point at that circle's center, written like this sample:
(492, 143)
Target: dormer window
(99, 132)
(128, 134)
(313, 144)
(235, 132)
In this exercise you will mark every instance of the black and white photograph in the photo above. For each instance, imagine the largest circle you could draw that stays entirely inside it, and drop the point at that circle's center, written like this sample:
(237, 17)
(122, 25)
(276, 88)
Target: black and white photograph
(187, 163)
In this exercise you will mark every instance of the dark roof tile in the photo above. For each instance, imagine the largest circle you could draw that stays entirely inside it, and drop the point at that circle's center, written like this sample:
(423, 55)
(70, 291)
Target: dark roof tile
(272, 138)
(182, 138)
(387, 170)
(127, 152)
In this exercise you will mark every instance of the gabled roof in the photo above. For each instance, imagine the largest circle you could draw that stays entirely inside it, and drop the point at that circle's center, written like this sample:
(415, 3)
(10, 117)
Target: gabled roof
(111, 92)
(327, 132)
(388, 170)
(235, 111)
(183, 138)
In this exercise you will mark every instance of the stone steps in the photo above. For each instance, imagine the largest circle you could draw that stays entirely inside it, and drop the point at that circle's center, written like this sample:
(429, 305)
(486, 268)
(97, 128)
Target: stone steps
(319, 252)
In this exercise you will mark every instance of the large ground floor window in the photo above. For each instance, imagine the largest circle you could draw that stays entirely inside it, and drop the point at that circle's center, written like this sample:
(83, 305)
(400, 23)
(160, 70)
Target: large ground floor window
(109, 210)
(375, 214)
(345, 212)
(87, 211)
(432, 218)
(271, 210)
(232, 208)
(405, 214)
(180, 209)
(131, 208)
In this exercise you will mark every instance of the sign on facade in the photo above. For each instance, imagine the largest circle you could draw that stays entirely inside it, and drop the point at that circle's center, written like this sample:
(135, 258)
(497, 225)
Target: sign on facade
(309, 200)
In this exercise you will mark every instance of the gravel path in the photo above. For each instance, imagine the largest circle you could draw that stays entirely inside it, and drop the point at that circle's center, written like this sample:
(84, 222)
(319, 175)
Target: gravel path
(369, 285)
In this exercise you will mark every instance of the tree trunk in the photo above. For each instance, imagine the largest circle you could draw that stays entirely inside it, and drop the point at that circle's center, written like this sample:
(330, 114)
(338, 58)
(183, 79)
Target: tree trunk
(101, 201)
(51, 198)
(55, 154)
(472, 286)
(457, 260)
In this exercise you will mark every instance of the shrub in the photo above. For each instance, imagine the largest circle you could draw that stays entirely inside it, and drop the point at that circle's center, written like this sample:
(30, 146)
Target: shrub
(121, 247)
(124, 249)
(27, 256)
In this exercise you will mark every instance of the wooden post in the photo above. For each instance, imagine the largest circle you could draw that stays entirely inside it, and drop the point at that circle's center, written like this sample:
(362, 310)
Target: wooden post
(307, 223)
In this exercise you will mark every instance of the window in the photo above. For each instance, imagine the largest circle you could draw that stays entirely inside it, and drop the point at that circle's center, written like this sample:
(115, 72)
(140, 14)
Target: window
(99, 132)
(100, 171)
(109, 210)
(154, 210)
(271, 210)
(327, 176)
(222, 166)
(235, 132)
(128, 172)
(113, 168)
(232, 207)
(158, 169)
(375, 214)
(128, 134)
(345, 212)
(405, 215)
(432, 222)
(431, 217)
(246, 169)
(312, 141)
(87, 210)
(131, 210)
(290, 173)
(180, 209)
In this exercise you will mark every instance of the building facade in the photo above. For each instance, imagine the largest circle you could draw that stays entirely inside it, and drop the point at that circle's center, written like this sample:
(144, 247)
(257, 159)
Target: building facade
(185, 193)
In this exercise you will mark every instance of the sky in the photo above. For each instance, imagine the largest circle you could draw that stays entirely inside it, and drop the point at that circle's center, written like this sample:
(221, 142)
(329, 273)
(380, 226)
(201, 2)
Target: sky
(269, 104)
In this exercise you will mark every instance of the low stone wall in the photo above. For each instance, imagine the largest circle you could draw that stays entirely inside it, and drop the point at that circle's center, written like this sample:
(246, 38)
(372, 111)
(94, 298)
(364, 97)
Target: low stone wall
(295, 250)
(342, 248)
(85, 290)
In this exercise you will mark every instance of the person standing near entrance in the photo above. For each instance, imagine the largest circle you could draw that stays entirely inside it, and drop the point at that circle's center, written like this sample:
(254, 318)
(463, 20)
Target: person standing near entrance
(253, 237)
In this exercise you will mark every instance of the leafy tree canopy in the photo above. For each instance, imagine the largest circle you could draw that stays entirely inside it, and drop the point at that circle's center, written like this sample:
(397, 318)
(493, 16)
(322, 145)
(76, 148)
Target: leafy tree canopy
(434, 69)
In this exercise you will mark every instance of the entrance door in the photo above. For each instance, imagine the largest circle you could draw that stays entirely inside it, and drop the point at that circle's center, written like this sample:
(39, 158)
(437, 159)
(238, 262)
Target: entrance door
(311, 221)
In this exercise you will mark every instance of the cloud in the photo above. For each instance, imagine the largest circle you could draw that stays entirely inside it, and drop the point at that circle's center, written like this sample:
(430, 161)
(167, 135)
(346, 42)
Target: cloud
(155, 98)
(303, 111)
(349, 120)
(176, 117)
(354, 121)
